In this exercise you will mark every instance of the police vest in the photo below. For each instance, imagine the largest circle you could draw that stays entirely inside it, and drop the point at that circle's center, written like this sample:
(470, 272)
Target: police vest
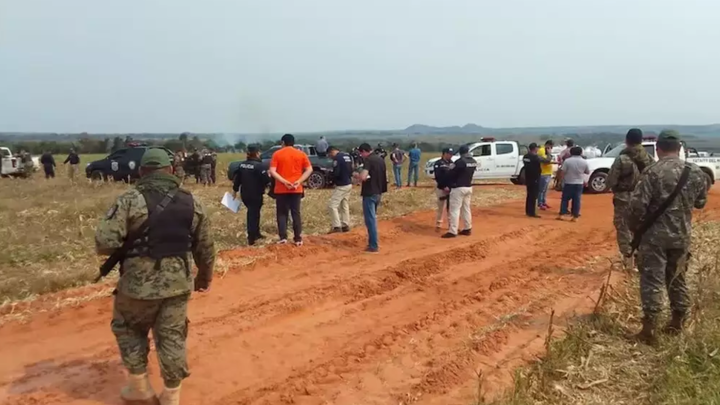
(171, 232)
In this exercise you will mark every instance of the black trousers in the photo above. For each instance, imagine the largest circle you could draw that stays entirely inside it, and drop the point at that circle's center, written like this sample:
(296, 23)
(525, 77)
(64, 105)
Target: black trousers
(289, 204)
(49, 171)
(253, 218)
(533, 188)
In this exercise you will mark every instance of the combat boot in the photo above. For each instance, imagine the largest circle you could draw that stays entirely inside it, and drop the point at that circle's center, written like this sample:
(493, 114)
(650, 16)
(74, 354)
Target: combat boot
(676, 324)
(138, 391)
(170, 396)
(647, 333)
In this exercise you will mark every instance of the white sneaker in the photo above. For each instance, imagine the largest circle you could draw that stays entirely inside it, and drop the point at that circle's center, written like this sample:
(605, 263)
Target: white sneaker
(282, 242)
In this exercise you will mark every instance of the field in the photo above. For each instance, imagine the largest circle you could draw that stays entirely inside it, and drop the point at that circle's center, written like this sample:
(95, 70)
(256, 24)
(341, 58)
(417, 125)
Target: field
(425, 321)
(48, 226)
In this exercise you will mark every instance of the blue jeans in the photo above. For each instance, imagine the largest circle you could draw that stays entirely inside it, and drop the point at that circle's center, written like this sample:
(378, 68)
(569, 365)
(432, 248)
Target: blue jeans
(543, 188)
(571, 192)
(370, 206)
(413, 173)
(397, 171)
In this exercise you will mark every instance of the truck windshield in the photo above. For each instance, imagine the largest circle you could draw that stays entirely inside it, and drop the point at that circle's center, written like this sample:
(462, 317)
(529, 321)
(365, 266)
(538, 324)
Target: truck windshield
(615, 152)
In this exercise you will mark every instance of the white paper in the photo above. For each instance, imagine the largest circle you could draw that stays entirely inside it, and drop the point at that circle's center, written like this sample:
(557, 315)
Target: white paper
(231, 203)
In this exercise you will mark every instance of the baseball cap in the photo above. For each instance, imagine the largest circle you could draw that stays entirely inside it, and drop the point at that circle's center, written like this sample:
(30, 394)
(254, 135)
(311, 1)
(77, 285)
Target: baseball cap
(669, 135)
(155, 158)
(365, 147)
(464, 149)
(253, 148)
(331, 148)
(448, 150)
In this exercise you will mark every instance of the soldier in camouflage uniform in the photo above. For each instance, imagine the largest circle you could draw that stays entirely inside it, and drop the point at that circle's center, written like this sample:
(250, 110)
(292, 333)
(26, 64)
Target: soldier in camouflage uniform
(156, 279)
(179, 163)
(622, 179)
(28, 167)
(206, 168)
(664, 248)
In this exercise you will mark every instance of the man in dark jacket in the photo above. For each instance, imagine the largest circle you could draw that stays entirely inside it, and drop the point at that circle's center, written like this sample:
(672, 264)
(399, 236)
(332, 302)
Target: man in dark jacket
(339, 205)
(48, 162)
(531, 164)
(250, 181)
(461, 178)
(74, 160)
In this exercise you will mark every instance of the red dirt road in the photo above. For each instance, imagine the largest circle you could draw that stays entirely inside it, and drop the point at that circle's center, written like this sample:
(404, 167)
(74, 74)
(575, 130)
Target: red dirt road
(326, 324)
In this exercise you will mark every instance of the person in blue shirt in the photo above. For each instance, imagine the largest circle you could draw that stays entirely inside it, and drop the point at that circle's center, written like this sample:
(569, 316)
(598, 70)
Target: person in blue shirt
(414, 166)
(339, 201)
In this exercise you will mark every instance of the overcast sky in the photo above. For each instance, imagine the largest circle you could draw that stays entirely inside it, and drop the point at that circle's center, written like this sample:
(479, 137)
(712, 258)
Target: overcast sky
(303, 65)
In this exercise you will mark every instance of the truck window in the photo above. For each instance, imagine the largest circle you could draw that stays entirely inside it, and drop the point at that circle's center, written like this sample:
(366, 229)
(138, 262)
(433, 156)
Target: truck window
(482, 150)
(650, 149)
(4, 152)
(504, 148)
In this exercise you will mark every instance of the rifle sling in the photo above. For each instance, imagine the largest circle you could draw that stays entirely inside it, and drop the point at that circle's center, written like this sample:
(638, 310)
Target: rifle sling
(650, 219)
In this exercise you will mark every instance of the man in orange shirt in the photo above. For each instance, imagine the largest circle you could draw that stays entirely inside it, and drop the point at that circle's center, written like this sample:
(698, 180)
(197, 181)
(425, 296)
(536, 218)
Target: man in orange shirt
(290, 167)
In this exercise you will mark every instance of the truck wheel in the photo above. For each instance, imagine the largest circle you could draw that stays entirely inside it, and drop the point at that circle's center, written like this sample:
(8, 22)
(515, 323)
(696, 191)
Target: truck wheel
(598, 183)
(708, 180)
(316, 180)
(97, 175)
(520, 179)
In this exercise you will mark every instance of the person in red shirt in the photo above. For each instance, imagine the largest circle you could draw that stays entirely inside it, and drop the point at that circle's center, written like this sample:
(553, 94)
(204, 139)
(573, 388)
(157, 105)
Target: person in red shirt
(290, 168)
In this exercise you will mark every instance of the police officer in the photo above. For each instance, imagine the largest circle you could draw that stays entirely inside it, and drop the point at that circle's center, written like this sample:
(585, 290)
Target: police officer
(339, 205)
(250, 181)
(663, 249)
(532, 169)
(461, 177)
(441, 170)
(156, 279)
(622, 179)
(48, 162)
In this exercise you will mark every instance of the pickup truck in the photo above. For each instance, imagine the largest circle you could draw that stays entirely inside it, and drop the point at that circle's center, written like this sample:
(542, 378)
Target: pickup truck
(497, 160)
(11, 165)
(121, 165)
(600, 167)
(322, 166)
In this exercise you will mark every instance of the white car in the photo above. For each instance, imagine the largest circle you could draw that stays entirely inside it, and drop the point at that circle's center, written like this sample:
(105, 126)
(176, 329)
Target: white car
(600, 167)
(497, 160)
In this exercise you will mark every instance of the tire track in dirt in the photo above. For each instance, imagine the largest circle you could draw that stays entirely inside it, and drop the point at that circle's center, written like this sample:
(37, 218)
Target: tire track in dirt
(327, 325)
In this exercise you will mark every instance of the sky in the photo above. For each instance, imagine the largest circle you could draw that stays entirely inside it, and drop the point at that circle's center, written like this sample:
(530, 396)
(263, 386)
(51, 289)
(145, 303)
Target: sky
(266, 66)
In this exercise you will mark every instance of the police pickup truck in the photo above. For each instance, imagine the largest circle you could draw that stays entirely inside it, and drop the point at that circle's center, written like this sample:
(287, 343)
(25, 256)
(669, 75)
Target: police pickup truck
(600, 167)
(322, 166)
(121, 165)
(11, 165)
(497, 160)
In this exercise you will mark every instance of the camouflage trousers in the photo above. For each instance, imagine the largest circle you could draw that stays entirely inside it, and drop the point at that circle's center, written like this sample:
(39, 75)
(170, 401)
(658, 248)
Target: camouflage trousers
(662, 269)
(205, 174)
(167, 318)
(624, 236)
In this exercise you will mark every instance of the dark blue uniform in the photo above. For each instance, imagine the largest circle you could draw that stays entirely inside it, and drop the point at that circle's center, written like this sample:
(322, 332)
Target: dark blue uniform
(342, 169)
(251, 179)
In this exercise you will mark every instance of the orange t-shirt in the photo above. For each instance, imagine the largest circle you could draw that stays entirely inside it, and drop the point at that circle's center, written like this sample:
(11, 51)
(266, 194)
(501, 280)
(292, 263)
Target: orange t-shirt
(290, 164)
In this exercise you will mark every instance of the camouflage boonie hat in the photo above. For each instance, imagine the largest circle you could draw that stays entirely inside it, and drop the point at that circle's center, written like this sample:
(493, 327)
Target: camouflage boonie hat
(155, 158)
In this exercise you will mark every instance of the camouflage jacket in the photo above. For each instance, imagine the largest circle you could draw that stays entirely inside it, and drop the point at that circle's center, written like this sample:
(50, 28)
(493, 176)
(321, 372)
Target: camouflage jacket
(673, 228)
(624, 173)
(140, 278)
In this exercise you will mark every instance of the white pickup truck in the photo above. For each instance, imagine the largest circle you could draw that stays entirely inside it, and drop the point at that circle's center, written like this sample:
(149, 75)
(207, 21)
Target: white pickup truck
(600, 167)
(498, 160)
(11, 165)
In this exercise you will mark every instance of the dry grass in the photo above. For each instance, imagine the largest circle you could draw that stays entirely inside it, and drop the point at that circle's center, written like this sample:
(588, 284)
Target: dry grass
(48, 226)
(594, 363)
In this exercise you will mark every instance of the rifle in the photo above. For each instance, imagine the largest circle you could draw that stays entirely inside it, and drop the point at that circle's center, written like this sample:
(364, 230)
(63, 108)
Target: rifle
(119, 254)
(652, 217)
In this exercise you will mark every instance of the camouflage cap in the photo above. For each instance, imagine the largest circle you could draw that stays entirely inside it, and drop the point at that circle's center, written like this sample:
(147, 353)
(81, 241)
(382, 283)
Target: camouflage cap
(669, 135)
(155, 158)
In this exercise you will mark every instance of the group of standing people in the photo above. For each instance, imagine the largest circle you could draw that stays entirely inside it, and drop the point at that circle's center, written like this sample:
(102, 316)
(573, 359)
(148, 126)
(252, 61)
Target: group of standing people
(200, 164)
(288, 170)
(47, 160)
(538, 167)
(397, 157)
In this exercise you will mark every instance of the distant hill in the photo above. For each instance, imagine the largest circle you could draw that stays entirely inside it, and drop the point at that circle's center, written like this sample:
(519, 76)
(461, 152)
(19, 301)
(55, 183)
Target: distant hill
(473, 129)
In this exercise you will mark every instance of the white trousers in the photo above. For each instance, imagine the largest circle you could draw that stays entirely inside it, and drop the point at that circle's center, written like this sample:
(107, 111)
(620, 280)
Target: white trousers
(460, 198)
